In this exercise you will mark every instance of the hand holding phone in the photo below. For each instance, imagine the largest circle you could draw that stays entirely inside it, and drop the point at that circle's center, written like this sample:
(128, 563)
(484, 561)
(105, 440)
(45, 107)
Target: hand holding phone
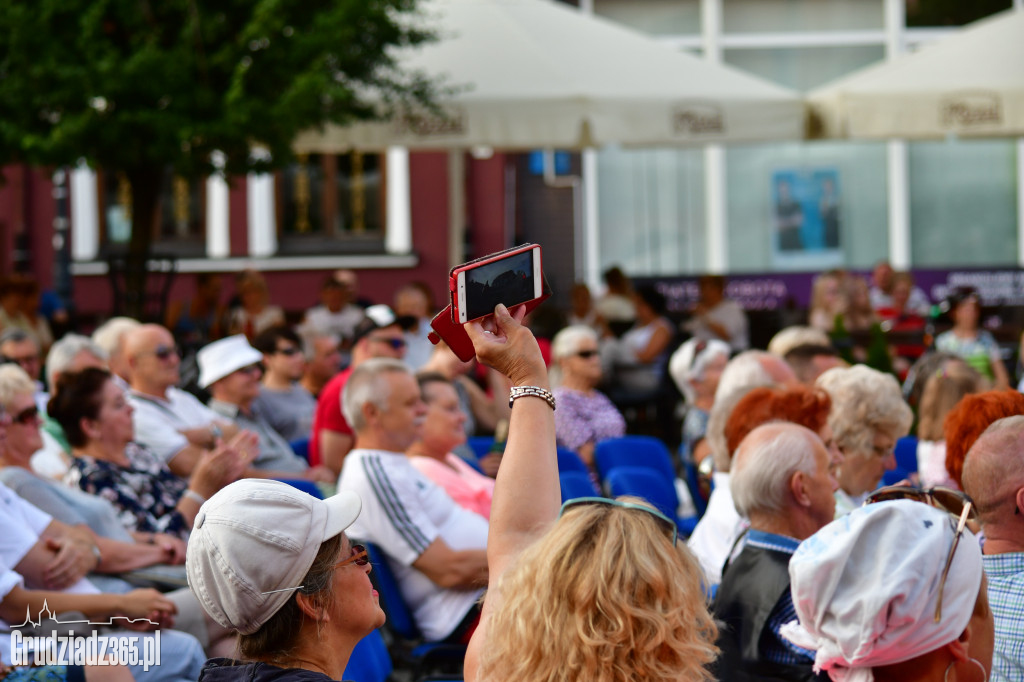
(510, 277)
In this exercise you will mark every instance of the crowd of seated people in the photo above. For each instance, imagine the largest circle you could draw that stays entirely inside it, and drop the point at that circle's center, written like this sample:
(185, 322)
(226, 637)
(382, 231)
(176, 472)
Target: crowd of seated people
(109, 465)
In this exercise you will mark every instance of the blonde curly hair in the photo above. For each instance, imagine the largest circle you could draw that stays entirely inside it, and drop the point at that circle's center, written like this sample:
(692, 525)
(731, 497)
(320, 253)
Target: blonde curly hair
(604, 597)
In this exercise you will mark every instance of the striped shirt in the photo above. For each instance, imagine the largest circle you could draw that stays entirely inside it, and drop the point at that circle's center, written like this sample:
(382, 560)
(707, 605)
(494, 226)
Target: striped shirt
(403, 513)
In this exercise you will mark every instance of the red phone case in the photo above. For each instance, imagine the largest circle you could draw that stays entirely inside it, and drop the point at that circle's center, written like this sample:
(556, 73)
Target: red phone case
(453, 332)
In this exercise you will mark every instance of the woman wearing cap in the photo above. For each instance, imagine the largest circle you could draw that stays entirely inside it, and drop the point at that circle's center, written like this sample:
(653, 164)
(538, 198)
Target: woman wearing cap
(894, 591)
(586, 416)
(273, 564)
(599, 592)
(149, 498)
(969, 341)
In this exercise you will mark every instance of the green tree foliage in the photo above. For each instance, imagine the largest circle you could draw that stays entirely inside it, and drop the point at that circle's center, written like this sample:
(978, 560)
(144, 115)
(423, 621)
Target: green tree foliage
(134, 85)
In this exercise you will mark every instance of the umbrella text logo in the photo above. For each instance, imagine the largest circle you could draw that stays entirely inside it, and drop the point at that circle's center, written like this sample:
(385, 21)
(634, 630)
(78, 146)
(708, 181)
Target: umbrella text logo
(971, 109)
(698, 119)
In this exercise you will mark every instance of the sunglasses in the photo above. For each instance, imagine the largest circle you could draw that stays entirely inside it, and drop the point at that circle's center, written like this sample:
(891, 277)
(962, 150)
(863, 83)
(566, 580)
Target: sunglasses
(359, 557)
(668, 524)
(252, 369)
(586, 354)
(395, 344)
(30, 415)
(164, 353)
(289, 351)
(948, 500)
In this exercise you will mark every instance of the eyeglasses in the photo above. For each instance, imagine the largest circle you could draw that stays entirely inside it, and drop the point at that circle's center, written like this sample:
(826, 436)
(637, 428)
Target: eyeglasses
(30, 415)
(667, 523)
(952, 501)
(289, 351)
(586, 354)
(395, 343)
(359, 557)
(252, 369)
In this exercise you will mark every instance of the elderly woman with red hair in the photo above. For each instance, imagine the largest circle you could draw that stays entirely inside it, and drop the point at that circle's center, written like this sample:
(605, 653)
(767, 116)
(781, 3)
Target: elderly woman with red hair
(721, 525)
(969, 419)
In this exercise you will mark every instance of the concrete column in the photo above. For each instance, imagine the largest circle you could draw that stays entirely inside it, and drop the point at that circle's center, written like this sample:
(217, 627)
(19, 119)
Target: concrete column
(218, 231)
(398, 234)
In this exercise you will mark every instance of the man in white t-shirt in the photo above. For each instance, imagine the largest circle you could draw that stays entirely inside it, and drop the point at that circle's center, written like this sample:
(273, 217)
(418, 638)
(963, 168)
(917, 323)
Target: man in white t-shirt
(172, 423)
(336, 314)
(717, 317)
(436, 548)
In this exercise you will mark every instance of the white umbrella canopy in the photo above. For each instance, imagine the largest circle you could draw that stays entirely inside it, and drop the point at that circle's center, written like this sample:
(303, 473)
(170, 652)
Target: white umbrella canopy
(538, 73)
(970, 84)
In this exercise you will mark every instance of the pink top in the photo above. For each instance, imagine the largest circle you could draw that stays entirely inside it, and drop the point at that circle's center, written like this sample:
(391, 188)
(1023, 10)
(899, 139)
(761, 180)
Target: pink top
(468, 487)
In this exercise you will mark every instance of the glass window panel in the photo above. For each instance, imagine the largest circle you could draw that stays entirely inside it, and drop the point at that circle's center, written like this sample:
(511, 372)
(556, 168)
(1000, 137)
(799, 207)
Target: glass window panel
(768, 16)
(655, 17)
(856, 172)
(804, 68)
(302, 196)
(651, 210)
(332, 196)
(951, 12)
(963, 203)
(180, 216)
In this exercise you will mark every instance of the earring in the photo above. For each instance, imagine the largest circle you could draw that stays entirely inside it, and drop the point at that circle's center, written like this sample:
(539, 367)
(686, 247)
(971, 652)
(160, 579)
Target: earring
(984, 675)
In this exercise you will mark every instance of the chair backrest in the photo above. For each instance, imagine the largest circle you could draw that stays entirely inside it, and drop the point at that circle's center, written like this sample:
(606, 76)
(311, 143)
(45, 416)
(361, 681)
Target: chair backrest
(305, 486)
(576, 484)
(300, 446)
(480, 445)
(634, 451)
(399, 615)
(568, 460)
(906, 454)
(370, 660)
(700, 503)
(647, 484)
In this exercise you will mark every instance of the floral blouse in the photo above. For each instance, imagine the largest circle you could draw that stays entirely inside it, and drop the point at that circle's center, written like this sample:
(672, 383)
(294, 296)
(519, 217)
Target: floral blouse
(145, 493)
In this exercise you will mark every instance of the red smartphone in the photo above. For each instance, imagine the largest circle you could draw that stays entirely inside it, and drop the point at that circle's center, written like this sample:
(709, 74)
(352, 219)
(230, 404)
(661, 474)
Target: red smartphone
(512, 277)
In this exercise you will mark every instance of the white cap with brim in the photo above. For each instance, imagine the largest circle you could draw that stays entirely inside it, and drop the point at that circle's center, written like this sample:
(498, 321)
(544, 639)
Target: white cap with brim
(221, 358)
(253, 542)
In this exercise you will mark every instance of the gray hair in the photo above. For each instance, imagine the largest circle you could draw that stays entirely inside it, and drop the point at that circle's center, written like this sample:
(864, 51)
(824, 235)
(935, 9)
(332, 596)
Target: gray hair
(63, 353)
(797, 335)
(765, 461)
(14, 381)
(864, 400)
(366, 385)
(745, 370)
(110, 334)
(309, 335)
(687, 365)
(565, 343)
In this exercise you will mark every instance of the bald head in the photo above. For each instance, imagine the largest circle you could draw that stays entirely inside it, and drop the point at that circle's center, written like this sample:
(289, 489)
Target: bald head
(994, 476)
(152, 357)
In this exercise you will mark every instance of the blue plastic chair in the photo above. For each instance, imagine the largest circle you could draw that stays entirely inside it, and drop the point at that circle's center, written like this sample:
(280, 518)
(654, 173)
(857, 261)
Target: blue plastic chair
(650, 485)
(576, 484)
(568, 460)
(906, 454)
(480, 445)
(304, 485)
(371, 662)
(400, 622)
(300, 446)
(634, 451)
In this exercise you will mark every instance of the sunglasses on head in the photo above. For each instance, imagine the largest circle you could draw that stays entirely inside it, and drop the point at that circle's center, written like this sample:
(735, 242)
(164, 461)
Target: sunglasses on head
(359, 557)
(27, 416)
(948, 500)
(668, 524)
(586, 354)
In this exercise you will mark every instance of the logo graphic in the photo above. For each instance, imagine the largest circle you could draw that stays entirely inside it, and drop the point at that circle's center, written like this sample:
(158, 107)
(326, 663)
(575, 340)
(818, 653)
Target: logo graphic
(698, 119)
(971, 109)
(92, 648)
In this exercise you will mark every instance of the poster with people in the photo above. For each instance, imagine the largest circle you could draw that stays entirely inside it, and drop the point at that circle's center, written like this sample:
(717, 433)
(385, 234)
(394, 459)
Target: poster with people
(806, 217)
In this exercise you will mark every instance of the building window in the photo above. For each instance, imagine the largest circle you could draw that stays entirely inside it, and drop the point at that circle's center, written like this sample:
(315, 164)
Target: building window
(330, 198)
(179, 225)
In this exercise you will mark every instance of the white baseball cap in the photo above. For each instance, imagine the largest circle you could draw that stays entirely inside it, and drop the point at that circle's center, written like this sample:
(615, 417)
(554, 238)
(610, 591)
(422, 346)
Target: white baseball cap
(221, 358)
(253, 542)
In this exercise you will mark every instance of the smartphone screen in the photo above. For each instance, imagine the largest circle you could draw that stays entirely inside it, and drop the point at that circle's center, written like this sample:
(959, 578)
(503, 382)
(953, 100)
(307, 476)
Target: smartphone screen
(509, 281)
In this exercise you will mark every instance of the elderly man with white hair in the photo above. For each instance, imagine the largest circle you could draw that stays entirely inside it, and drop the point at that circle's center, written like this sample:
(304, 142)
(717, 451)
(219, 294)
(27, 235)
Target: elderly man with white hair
(436, 548)
(110, 337)
(782, 480)
(994, 478)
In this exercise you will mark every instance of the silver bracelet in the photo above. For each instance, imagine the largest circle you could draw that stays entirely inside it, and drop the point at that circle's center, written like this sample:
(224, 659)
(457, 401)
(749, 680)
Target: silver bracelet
(533, 391)
(193, 495)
